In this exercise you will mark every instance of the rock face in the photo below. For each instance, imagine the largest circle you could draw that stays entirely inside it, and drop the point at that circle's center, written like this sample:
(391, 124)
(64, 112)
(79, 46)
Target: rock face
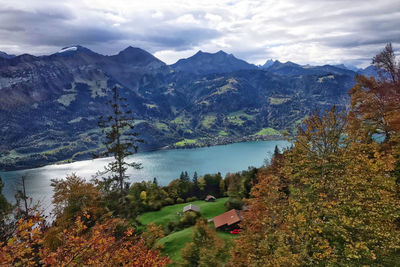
(49, 105)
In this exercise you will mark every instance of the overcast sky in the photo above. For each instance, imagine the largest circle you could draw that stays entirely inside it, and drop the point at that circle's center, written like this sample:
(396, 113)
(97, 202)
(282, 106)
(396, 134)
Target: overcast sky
(306, 31)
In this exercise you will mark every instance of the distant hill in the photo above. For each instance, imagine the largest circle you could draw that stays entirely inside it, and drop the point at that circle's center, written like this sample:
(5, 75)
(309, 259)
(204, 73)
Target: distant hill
(206, 63)
(49, 105)
(5, 55)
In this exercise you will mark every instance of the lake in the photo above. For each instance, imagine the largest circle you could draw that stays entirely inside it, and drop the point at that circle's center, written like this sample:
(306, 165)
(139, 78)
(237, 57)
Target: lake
(165, 165)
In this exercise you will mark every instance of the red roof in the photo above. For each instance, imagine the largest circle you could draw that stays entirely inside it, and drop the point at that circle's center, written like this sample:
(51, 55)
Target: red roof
(228, 218)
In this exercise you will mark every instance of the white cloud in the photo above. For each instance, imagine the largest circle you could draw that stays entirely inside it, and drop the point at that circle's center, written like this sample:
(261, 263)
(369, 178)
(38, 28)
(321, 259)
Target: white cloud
(308, 31)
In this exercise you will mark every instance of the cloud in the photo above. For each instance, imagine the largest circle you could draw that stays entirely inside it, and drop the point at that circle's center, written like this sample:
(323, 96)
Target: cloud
(309, 31)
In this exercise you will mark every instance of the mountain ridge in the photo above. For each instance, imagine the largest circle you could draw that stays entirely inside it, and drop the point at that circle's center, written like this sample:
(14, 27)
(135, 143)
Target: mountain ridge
(49, 105)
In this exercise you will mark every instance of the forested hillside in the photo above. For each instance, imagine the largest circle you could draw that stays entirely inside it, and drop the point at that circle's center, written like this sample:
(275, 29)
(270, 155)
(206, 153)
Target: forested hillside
(332, 199)
(50, 105)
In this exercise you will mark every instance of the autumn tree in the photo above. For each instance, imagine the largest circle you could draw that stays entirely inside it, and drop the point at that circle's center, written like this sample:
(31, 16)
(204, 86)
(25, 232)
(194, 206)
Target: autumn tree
(205, 248)
(100, 247)
(23, 248)
(73, 197)
(376, 103)
(340, 207)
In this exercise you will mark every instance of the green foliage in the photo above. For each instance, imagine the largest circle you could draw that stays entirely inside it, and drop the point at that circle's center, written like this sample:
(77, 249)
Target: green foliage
(173, 212)
(268, 131)
(186, 142)
(208, 121)
(121, 142)
(222, 133)
(234, 203)
(205, 248)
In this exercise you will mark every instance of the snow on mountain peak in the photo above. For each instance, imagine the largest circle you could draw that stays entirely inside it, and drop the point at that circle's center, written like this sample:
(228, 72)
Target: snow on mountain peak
(67, 49)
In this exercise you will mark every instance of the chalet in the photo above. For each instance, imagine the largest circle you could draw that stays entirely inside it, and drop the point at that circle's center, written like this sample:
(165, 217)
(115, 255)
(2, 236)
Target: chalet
(228, 220)
(210, 198)
(191, 207)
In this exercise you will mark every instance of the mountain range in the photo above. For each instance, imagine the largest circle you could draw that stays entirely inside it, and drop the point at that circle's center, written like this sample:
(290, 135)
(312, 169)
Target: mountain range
(50, 105)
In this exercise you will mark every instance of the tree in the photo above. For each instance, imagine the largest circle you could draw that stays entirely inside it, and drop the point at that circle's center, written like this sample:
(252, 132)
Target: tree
(385, 61)
(376, 104)
(205, 249)
(23, 248)
(100, 245)
(74, 197)
(121, 140)
(341, 207)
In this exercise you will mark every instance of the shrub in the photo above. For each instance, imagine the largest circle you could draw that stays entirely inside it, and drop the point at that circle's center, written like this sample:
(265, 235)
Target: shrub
(190, 199)
(189, 218)
(168, 201)
(179, 200)
(233, 203)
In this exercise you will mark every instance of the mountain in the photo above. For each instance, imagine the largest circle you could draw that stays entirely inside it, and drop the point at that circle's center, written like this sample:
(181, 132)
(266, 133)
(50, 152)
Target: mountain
(206, 63)
(267, 64)
(49, 105)
(370, 71)
(5, 55)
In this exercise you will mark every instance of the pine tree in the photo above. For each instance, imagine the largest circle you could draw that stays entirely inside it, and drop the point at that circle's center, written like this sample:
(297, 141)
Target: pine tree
(121, 142)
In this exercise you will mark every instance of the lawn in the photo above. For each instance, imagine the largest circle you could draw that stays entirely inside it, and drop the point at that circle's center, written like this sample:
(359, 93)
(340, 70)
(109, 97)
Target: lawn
(170, 213)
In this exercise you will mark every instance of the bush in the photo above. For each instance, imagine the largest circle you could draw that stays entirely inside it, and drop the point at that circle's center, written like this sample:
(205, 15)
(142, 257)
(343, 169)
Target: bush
(168, 201)
(233, 203)
(189, 218)
(156, 205)
(172, 226)
(190, 199)
(179, 200)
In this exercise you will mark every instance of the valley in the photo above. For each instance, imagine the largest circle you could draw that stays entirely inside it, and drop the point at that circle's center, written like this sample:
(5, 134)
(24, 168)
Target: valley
(50, 105)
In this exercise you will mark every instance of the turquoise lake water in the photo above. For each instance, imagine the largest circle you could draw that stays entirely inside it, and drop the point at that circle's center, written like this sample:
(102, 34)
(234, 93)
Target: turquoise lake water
(166, 165)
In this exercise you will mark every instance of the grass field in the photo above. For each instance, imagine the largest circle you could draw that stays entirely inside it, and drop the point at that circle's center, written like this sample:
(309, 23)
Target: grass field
(170, 213)
(268, 131)
(186, 142)
(173, 243)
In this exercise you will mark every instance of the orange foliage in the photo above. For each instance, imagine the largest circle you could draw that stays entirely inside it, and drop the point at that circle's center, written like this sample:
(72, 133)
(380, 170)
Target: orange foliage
(81, 246)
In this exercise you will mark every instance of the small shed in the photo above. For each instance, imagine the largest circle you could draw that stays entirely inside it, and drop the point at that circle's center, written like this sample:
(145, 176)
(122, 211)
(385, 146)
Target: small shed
(191, 207)
(210, 198)
(228, 219)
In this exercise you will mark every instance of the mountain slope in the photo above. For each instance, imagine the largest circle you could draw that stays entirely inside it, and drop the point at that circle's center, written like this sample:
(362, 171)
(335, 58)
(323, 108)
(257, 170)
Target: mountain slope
(49, 105)
(205, 63)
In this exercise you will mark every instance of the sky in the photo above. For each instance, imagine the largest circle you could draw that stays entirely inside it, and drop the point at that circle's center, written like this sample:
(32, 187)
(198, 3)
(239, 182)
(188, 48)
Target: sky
(306, 32)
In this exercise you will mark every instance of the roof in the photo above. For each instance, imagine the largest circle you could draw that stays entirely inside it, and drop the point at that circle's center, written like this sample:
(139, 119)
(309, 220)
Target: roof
(228, 218)
(210, 197)
(191, 207)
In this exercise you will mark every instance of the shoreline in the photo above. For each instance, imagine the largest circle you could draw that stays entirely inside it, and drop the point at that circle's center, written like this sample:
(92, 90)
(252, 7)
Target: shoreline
(219, 141)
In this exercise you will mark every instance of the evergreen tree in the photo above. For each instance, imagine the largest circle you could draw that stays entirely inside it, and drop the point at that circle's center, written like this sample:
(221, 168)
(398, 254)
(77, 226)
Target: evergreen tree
(195, 177)
(121, 142)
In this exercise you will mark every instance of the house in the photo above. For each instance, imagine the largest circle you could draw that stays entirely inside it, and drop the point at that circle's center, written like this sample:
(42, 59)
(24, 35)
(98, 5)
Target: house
(228, 220)
(210, 198)
(191, 207)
